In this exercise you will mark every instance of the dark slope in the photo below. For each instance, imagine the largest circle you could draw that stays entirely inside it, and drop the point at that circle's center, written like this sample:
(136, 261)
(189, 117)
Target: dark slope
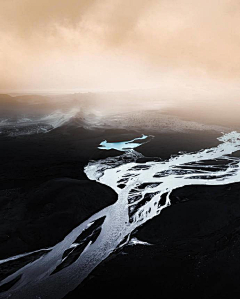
(63, 152)
(45, 215)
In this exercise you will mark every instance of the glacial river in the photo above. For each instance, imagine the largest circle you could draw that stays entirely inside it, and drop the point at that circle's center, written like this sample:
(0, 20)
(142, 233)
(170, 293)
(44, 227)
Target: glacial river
(144, 190)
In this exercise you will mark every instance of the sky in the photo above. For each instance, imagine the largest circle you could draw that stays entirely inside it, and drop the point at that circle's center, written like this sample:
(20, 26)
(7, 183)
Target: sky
(119, 44)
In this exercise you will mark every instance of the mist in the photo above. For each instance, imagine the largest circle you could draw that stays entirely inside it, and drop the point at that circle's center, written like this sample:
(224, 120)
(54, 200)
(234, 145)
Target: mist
(104, 45)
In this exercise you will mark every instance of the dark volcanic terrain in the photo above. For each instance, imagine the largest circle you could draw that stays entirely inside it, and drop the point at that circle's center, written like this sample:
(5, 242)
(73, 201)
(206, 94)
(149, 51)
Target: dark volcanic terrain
(44, 194)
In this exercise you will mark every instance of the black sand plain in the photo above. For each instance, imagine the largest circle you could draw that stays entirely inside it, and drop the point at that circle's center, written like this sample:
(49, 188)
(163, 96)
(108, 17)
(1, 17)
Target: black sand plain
(44, 194)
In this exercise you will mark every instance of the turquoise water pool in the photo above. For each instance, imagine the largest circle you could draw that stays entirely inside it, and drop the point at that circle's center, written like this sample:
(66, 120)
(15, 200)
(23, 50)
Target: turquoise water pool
(122, 145)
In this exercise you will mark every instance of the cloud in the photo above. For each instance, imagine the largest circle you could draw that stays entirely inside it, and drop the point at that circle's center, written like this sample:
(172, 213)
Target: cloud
(87, 43)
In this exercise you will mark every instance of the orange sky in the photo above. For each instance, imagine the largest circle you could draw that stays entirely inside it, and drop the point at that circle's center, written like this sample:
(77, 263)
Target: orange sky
(117, 44)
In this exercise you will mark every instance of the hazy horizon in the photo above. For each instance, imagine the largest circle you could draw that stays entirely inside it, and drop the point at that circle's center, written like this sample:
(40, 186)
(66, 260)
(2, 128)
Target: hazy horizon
(59, 45)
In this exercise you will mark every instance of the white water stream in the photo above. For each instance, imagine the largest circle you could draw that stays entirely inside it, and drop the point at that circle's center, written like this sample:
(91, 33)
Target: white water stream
(143, 191)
